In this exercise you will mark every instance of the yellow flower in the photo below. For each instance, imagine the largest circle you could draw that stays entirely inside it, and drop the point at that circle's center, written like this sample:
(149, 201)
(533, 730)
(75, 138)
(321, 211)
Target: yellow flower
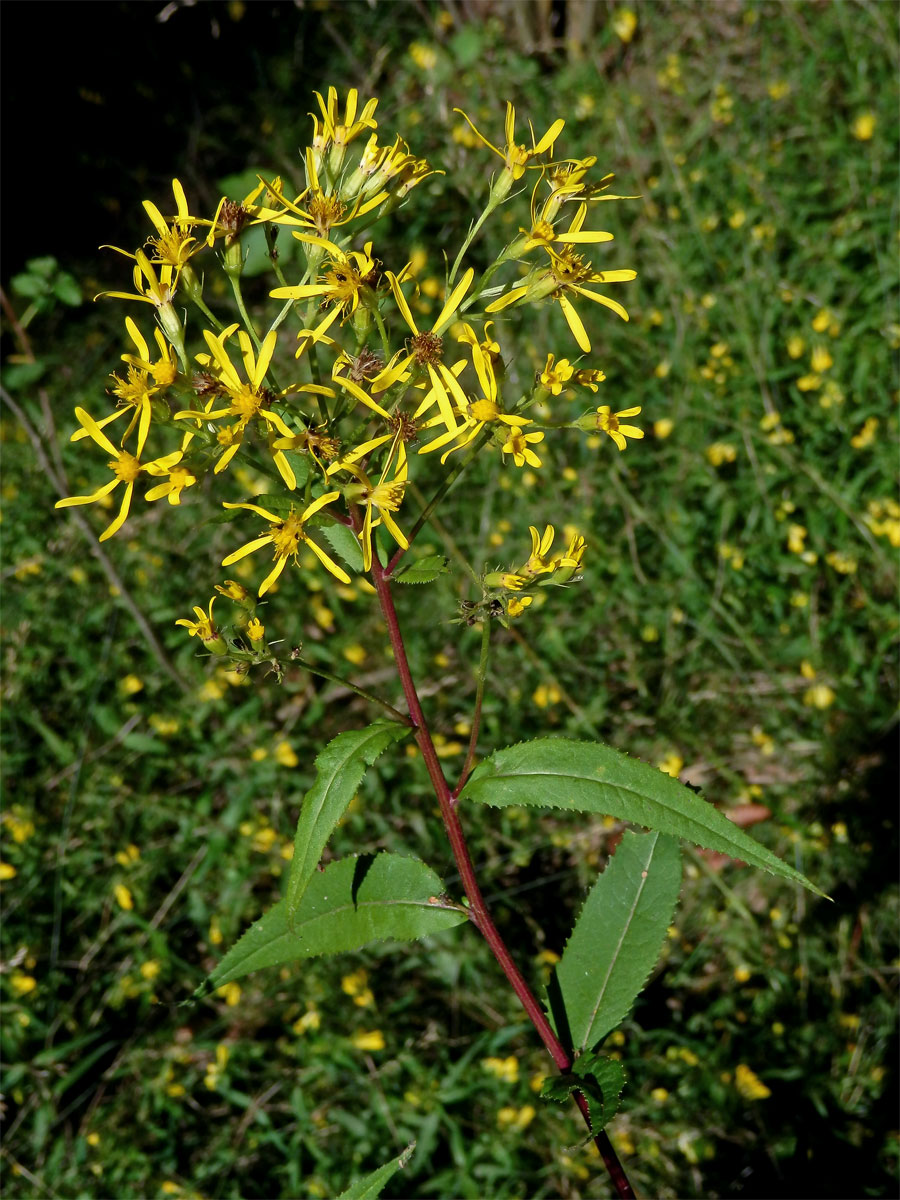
(204, 628)
(555, 375)
(624, 24)
(150, 969)
(158, 290)
(7, 871)
(845, 564)
(248, 400)
(311, 1020)
(568, 273)
(425, 350)
(123, 897)
(517, 158)
(859, 441)
(516, 1118)
(286, 536)
(663, 427)
(22, 984)
(230, 993)
(383, 497)
(174, 244)
(20, 826)
(285, 754)
(518, 444)
(345, 279)
(819, 695)
(749, 1085)
(820, 360)
(660, 1095)
(546, 694)
(721, 452)
(125, 467)
(763, 740)
(864, 126)
(372, 1039)
(610, 423)
(424, 56)
(516, 605)
(809, 383)
(505, 1069)
(796, 538)
(671, 764)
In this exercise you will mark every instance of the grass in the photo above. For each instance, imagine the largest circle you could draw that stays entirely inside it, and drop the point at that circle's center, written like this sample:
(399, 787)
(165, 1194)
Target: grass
(763, 221)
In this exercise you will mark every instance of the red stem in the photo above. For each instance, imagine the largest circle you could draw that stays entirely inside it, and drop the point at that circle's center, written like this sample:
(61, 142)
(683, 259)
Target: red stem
(478, 911)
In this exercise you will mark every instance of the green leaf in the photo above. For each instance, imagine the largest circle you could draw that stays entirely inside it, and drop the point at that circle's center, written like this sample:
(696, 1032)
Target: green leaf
(351, 903)
(20, 375)
(600, 1080)
(616, 939)
(344, 542)
(423, 570)
(588, 777)
(339, 769)
(372, 1185)
(66, 289)
(47, 266)
(29, 286)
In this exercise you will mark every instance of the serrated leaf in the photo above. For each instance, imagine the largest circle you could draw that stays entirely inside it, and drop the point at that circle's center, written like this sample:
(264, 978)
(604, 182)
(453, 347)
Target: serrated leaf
(372, 1185)
(339, 769)
(345, 543)
(600, 1080)
(348, 905)
(616, 939)
(423, 570)
(588, 777)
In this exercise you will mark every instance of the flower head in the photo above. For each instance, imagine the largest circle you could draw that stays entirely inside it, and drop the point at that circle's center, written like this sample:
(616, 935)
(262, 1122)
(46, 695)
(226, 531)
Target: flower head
(286, 536)
(516, 158)
(204, 628)
(611, 424)
(126, 468)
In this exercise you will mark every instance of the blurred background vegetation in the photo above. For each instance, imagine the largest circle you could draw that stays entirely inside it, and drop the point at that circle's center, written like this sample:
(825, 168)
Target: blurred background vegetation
(737, 623)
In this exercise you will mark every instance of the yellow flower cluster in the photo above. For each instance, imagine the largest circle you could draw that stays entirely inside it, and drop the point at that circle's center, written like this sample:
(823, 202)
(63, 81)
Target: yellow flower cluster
(330, 414)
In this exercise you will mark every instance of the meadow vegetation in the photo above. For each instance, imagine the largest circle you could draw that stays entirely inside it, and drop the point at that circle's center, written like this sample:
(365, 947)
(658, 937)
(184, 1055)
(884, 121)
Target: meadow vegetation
(737, 626)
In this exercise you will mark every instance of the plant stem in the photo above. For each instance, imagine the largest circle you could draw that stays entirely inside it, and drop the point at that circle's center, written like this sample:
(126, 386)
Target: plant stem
(478, 911)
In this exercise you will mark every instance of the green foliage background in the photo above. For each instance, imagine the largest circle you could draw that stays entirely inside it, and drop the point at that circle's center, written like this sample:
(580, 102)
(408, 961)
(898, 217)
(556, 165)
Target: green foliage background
(758, 208)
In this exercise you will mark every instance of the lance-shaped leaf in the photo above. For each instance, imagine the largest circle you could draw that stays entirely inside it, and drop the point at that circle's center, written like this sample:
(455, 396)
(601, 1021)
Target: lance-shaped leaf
(616, 939)
(339, 769)
(600, 1080)
(587, 777)
(373, 1184)
(348, 905)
